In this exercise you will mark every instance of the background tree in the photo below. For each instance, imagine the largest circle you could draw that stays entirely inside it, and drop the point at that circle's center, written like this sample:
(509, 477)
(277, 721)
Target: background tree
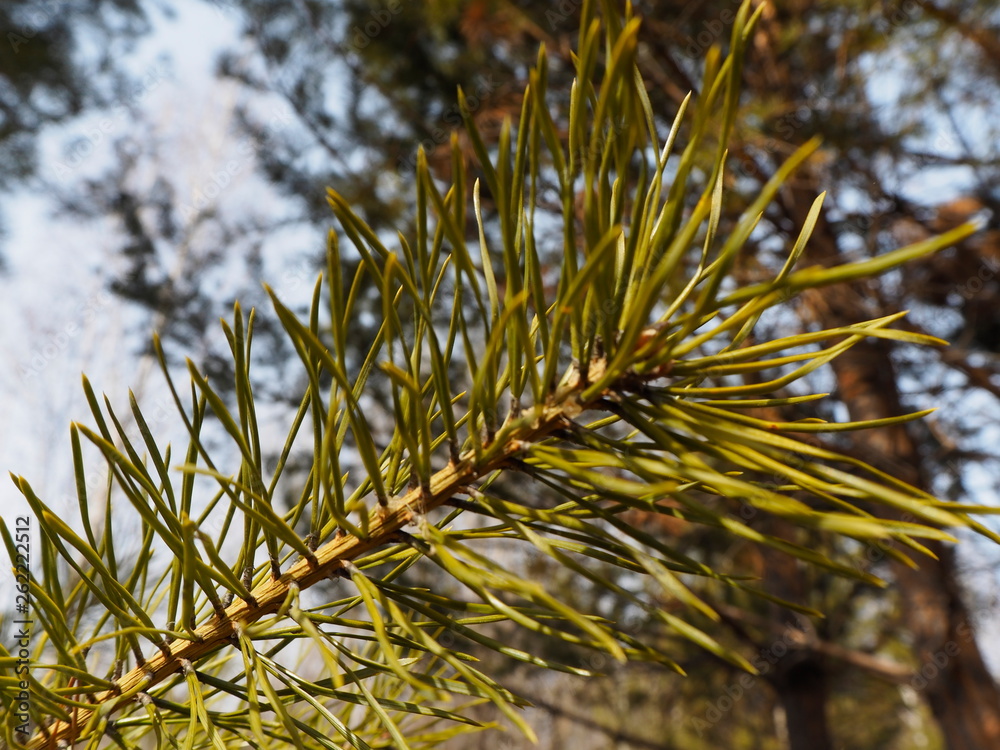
(814, 69)
(622, 385)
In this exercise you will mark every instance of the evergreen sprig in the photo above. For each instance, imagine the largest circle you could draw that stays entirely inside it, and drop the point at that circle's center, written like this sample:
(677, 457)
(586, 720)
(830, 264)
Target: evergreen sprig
(612, 384)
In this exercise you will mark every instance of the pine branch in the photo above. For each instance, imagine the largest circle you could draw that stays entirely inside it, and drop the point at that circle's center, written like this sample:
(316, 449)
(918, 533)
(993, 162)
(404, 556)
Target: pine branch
(330, 560)
(664, 337)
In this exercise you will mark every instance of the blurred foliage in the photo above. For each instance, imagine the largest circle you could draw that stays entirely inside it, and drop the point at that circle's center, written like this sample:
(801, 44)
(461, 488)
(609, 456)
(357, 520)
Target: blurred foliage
(629, 388)
(363, 101)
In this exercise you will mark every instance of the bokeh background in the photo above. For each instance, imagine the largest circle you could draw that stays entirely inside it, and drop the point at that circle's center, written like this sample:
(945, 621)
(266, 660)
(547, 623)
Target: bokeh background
(159, 160)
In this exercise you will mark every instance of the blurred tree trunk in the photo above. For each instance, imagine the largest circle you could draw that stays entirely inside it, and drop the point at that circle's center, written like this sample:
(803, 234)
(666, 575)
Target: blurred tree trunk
(801, 688)
(951, 673)
(800, 677)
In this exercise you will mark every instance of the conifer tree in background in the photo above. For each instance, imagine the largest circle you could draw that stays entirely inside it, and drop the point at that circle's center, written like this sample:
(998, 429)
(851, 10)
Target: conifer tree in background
(624, 380)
